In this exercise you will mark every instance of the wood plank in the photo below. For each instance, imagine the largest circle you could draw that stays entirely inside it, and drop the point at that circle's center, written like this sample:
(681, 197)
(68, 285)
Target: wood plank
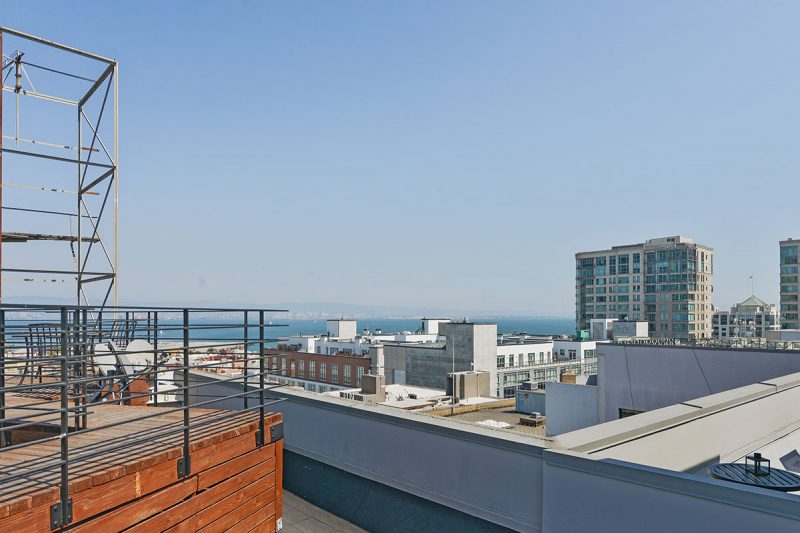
(262, 520)
(96, 500)
(161, 475)
(225, 470)
(36, 520)
(230, 504)
(104, 479)
(141, 509)
(279, 479)
(183, 511)
(224, 523)
(224, 451)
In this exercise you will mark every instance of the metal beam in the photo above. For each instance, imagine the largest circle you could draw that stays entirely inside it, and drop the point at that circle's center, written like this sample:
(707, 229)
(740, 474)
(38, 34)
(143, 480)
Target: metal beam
(40, 96)
(1, 174)
(54, 44)
(55, 158)
(106, 73)
(98, 278)
(101, 80)
(45, 271)
(97, 136)
(44, 211)
(89, 187)
(116, 180)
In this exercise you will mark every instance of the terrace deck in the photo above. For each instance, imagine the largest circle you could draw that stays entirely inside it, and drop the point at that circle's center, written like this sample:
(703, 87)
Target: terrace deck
(125, 477)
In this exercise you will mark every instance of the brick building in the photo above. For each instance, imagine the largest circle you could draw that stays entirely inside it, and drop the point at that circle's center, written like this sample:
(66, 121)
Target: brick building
(340, 370)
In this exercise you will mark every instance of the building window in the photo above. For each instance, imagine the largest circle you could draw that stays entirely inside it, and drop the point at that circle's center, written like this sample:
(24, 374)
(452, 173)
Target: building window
(312, 369)
(335, 372)
(531, 359)
(501, 361)
(347, 374)
(359, 375)
(301, 369)
(323, 372)
(572, 354)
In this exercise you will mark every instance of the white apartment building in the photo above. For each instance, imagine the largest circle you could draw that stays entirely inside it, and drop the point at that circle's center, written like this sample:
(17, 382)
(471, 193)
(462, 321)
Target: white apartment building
(750, 318)
(425, 357)
(540, 359)
(342, 337)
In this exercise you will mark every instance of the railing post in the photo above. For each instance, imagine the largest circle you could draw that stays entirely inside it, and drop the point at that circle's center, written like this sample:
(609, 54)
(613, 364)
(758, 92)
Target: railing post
(78, 349)
(261, 378)
(84, 368)
(246, 381)
(184, 465)
(61, 513)
(2, 378)
(155, 358)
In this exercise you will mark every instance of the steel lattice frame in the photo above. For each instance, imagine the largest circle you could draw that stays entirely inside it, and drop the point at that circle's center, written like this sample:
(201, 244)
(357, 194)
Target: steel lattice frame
(97, 178)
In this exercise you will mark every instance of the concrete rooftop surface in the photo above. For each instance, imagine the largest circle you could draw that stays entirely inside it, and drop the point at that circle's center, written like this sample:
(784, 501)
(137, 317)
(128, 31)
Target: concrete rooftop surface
(300, 516)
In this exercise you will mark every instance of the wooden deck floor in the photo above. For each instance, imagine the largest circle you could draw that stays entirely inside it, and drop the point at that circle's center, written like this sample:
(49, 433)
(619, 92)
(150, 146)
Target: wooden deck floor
(126, 476)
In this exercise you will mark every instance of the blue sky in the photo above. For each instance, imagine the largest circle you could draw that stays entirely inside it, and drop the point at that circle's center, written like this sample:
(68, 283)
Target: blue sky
(440, 153)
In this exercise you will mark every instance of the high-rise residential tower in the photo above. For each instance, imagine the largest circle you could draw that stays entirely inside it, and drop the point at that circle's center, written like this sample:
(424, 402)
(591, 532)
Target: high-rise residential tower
(790, 264)
(665, 281)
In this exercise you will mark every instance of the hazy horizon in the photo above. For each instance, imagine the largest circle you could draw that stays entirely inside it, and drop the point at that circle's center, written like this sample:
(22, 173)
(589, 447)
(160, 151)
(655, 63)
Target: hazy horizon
(438, 154)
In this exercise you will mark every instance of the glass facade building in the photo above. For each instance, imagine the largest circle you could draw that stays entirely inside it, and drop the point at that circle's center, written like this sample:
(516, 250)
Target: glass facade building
(665, 281)
(789, 263)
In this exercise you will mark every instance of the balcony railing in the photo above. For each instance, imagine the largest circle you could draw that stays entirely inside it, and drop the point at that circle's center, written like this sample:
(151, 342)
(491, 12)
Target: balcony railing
(61, 367)
(744, 343)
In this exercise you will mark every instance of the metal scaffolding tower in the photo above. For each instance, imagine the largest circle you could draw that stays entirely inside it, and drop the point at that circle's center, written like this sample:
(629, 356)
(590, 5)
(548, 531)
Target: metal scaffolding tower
(57, 92)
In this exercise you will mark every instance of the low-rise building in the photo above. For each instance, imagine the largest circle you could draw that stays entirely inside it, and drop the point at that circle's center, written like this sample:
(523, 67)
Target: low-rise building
(750, 318)
(440, 347)
(315, 372)
(342, 337)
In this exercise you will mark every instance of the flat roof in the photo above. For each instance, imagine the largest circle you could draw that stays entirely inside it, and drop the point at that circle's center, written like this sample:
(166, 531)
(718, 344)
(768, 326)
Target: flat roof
(498, 418)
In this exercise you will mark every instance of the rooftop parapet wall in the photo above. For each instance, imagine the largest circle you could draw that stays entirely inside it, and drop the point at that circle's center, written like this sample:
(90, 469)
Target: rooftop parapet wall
(644, 377)
(691, 434)
(655, 500)
(494, 475)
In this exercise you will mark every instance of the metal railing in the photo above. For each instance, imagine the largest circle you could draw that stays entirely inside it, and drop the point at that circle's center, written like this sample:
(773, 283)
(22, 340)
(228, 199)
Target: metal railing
(60, 366)
(743, 343)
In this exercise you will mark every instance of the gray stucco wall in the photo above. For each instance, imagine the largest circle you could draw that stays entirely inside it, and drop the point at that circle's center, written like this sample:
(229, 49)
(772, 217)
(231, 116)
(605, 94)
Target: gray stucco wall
(468, 347)
(508, 480)
(644, 378)
(570, 407)
(394, 364)
(489, 474)
(530, 401)
(428, 367)
(622, 497)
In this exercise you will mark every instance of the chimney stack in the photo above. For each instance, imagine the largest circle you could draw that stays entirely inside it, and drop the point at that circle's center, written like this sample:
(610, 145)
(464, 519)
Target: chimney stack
(376, 360)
